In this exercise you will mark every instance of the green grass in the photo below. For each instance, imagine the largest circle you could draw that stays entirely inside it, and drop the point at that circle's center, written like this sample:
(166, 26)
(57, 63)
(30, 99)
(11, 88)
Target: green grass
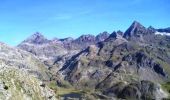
(60, 91)
(20, 85)
(84, 60)
(114, 58)
(166, 87)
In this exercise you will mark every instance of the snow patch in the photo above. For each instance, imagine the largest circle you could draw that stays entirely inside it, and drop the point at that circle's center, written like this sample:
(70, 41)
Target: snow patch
(162, 33)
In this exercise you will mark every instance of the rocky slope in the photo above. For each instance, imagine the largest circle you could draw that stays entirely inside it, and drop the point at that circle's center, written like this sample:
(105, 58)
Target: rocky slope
(22, 75)
(38, 45)
(132, 57)
(129, 65)
(48, 51)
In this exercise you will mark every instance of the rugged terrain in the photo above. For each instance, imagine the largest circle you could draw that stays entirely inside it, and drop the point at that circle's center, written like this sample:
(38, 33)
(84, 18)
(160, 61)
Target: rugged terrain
(22, 75)
(133, 65)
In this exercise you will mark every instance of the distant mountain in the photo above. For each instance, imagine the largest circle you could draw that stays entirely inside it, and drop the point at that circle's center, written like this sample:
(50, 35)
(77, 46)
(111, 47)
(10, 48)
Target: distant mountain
(133, 65)
(36, 38)
(136, 31)
(38, 45)
(42, 47)
(167, 30)
(102, 36)
(136, 56)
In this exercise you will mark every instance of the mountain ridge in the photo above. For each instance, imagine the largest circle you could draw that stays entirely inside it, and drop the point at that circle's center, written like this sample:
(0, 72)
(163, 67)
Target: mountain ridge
(120, 65)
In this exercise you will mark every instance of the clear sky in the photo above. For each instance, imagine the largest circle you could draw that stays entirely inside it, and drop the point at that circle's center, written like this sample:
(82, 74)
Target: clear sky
(62, 18)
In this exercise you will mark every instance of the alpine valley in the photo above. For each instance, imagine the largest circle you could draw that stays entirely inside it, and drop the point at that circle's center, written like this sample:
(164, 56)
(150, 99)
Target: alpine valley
(130, 65)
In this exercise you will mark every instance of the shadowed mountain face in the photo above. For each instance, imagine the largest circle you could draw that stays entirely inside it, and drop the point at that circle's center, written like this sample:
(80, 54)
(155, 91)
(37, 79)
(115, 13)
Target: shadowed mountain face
(117, 65)
(137, 31)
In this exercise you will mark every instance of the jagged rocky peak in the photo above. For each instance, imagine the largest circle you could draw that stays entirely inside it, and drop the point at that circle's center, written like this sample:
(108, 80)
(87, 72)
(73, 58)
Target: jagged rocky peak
(136, 24)
(135, 30)
(151, 29)
(119, 32)
(86, 38)
(113, 35)
(102, 36)
(116, 35)
(36, 38)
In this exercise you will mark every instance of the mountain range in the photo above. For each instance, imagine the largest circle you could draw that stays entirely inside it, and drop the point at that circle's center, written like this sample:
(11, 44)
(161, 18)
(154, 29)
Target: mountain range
(132, 65)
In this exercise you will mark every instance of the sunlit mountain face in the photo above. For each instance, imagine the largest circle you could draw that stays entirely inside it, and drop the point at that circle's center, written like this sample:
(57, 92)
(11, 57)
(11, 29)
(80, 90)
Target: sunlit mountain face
(84, 50)
(117, 65)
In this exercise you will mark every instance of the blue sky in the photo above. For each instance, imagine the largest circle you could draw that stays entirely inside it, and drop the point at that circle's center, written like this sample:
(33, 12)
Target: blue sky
(62, 18)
